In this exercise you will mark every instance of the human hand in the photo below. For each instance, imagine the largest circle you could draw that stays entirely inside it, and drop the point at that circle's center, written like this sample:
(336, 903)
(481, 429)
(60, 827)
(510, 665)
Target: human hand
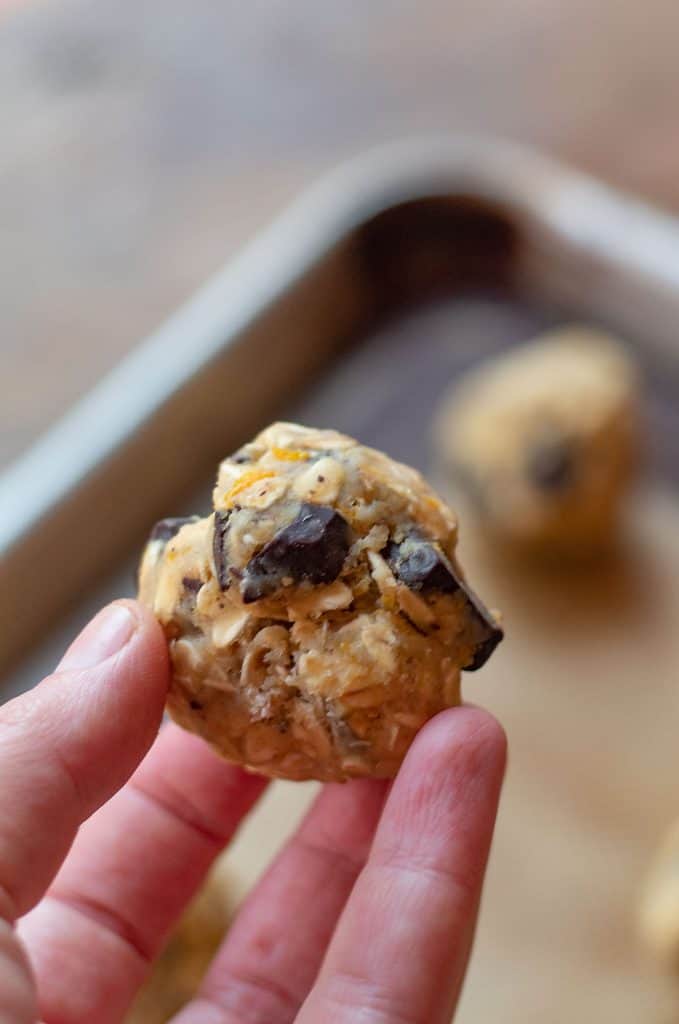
(366, 916)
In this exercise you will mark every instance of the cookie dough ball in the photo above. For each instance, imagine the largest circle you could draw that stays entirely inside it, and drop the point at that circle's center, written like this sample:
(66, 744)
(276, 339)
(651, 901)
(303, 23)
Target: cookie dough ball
(543, 441)
(659, 911)
(318, 617)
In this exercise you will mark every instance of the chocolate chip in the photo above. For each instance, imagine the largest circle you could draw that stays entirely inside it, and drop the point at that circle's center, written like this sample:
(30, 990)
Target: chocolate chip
(195, 705)
(221, 526)
(312, 547)
(423, 566)
(550, 463)
(484, 649)
(167, 528)
(487, 633)
(192, 584)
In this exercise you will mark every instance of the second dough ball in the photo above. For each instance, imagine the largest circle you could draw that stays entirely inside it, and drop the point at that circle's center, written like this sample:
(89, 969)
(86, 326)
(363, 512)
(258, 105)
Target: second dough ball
(543, 441)
(659, 910)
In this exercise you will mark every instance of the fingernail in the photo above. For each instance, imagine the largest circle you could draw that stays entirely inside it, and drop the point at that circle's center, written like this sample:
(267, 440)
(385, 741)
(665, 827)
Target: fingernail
(106, 634)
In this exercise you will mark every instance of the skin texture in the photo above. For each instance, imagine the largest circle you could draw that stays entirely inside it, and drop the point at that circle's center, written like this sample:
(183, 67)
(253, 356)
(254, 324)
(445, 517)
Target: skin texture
(376, 894)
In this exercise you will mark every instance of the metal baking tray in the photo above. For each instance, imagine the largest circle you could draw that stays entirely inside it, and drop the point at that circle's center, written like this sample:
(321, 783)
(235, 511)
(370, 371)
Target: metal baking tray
(354, 310)
(405, 224)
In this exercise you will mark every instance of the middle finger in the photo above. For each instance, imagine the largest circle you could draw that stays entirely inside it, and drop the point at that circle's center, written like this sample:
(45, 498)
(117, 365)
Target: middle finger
(272, 953)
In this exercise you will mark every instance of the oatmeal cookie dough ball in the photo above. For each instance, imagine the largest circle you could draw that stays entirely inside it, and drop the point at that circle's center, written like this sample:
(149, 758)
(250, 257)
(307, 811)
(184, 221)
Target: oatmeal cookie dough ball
(318, 617)
(543, 441)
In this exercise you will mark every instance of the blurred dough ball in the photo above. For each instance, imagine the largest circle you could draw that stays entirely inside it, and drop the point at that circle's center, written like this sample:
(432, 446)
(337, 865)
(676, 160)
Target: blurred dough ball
(543, 440)
(659, 911)
(180, 968)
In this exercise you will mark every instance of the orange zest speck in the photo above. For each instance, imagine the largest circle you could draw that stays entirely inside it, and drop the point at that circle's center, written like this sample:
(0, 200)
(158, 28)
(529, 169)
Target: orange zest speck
(252, 476)
(289, 455)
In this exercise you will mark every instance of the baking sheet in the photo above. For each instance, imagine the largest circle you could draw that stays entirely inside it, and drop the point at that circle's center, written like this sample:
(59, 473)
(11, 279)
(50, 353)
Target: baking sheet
(381, 391)
(398, 225)
(586, 685)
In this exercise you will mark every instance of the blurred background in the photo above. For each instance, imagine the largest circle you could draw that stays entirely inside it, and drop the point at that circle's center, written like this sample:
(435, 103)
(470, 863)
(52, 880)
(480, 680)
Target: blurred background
(141, 145)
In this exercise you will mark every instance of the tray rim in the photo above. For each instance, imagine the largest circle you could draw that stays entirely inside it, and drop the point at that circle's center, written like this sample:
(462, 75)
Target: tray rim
(570, 214)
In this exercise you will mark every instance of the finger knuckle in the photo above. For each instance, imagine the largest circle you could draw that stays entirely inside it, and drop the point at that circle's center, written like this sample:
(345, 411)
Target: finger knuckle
(252, 999)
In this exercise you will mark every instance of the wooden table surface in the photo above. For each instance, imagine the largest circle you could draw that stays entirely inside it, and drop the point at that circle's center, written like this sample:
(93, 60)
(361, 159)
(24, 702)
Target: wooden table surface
(139, 151)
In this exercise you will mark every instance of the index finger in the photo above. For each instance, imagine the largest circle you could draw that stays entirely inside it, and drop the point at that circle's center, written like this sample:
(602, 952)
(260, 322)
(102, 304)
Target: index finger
(70, 743)
(402, 944)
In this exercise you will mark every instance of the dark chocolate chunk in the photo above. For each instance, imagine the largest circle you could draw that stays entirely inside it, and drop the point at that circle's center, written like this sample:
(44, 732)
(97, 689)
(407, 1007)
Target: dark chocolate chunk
(487, 633)
(195, 705)
(423, 566)
(192, 584)
(167, 528)
(550, 463)
(312, 547)
(484, 649)
(221, 527)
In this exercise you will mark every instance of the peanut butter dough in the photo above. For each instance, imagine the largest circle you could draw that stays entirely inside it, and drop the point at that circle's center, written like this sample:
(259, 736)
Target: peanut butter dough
(317, 618)
(542, 441)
